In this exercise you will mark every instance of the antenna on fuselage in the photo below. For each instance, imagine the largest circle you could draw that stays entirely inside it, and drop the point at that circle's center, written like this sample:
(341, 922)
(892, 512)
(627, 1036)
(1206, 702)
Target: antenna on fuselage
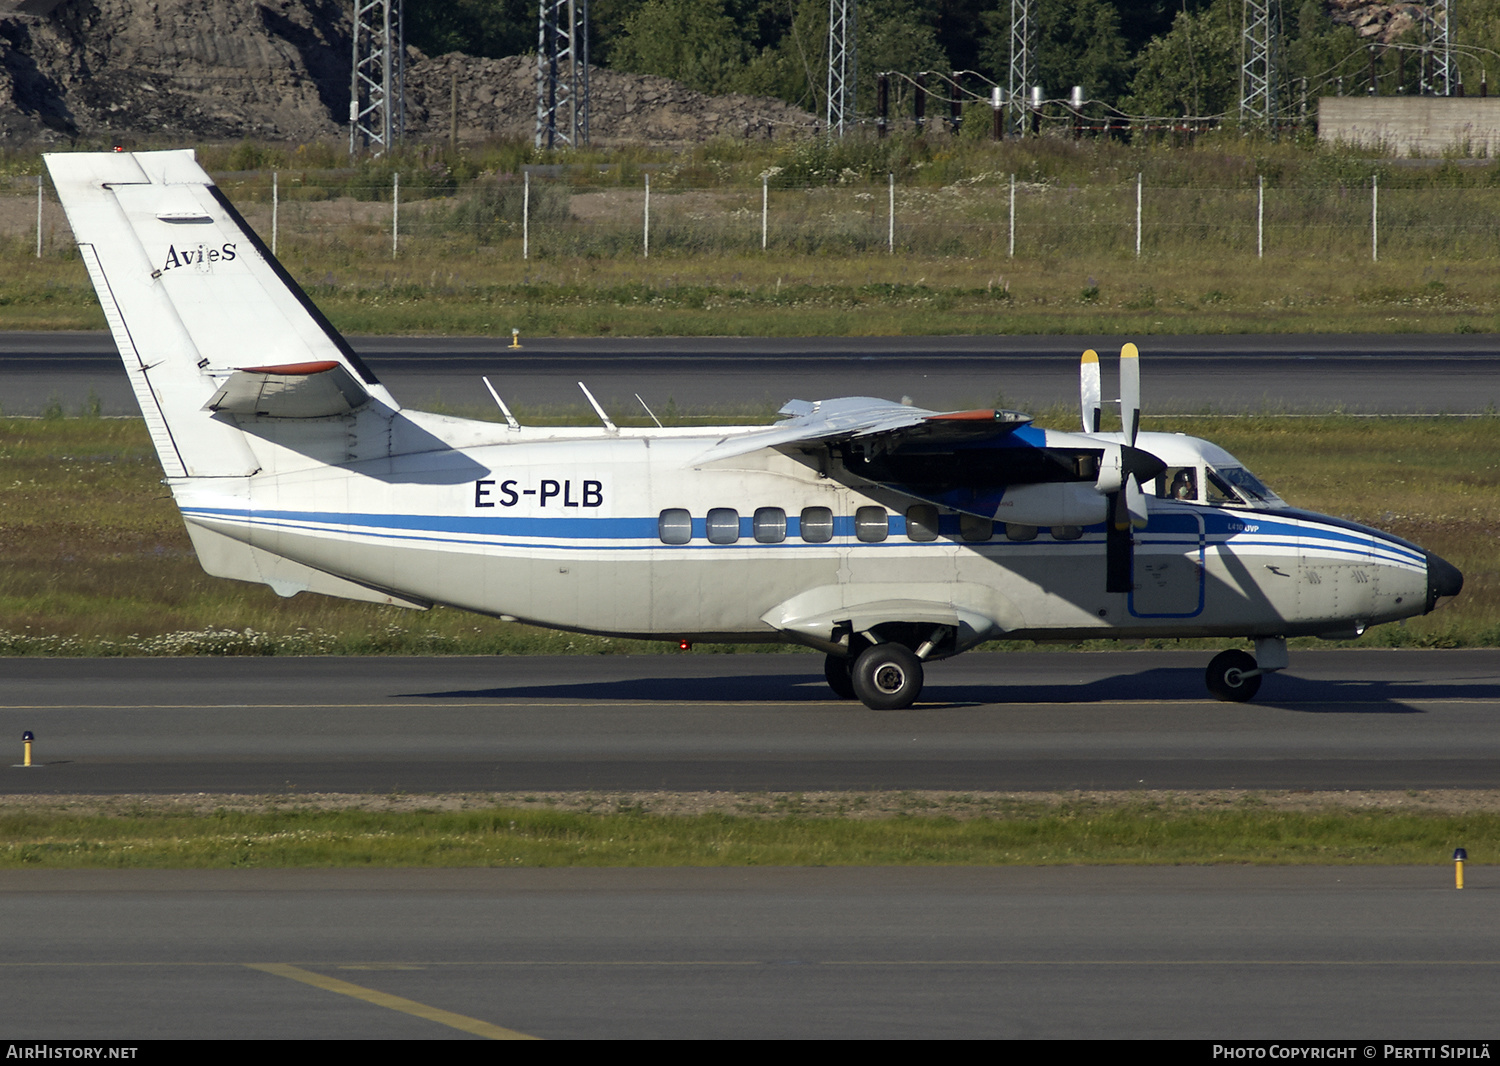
(599, 410)
(510, 418)
(650, 412)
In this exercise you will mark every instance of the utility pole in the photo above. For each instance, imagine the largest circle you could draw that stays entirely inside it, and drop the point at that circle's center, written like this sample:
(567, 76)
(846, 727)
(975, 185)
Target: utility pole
(377, 91)
(562, 73)
(1021, 66)
(1260, 63)
(843, 66)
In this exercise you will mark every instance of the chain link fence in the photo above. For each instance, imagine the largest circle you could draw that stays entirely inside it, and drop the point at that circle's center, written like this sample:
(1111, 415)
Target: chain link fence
(540, 216)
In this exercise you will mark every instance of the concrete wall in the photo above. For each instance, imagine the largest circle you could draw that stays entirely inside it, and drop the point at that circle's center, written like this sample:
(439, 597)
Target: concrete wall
(1407, 125)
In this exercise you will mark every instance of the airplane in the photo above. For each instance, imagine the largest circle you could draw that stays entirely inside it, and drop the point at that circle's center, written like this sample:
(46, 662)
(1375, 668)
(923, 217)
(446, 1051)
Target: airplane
(885, 535)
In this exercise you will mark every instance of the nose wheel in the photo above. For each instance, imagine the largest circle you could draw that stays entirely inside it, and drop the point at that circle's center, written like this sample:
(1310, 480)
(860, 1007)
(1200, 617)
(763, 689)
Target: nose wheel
(1232, 676)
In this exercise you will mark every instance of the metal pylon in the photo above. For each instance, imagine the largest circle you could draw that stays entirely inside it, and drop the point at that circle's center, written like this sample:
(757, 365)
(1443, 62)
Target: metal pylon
(1021, 66)
(377, 94)
(1440, 40)
(843, 66)
(562, 73)
(1260, 62)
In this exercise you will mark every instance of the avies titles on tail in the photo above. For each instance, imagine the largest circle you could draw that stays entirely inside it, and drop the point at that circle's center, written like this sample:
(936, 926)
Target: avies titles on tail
(884, 535)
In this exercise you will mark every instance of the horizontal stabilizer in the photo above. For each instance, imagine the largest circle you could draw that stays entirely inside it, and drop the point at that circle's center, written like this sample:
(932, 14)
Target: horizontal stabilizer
(294, 390)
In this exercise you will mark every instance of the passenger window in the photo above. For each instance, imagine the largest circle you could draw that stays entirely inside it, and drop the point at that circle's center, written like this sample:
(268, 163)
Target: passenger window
(816, 525)
(675, 526)
(1016, 531)
(973, 528)
(922, 522)
(723, 525)
(770, 525)
(871, 524)
(1066, 532)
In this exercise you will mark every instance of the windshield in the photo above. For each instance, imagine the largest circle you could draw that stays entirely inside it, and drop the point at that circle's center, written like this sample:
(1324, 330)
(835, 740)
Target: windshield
(1235, 484)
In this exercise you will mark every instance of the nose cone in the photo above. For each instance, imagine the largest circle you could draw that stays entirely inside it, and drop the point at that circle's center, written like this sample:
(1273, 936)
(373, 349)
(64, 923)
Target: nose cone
(1443, 581)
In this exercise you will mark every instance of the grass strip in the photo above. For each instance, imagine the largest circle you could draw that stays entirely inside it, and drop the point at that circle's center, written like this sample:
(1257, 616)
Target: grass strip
(765, 831)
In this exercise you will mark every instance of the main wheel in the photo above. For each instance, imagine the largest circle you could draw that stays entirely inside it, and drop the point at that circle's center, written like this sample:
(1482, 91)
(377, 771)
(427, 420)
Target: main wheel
(836, 673)
(1226, 678)
(887, 677)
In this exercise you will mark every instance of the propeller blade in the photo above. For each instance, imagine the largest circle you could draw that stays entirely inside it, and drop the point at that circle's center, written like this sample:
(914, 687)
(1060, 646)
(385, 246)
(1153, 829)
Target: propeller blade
(1088, 391)
(1130, 392)
(1111, 470)
(1135, 503)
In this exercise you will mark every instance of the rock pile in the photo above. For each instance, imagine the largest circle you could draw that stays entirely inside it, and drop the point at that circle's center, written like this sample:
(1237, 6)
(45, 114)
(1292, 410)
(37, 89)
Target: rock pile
(279, 70)
(497, 97)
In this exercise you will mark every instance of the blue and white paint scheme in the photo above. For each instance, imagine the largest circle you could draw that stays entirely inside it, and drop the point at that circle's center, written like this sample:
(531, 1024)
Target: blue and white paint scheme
(883, 534)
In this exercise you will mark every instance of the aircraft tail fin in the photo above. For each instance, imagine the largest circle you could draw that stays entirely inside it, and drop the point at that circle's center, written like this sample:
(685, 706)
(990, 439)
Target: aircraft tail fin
(206, 320)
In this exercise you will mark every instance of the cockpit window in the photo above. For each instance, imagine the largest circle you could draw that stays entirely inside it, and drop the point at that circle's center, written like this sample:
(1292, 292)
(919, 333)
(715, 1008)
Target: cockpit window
(1235, 485)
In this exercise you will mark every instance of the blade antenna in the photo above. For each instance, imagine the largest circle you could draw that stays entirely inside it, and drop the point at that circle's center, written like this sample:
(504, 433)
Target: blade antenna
(599, 410)
(650, 412)
(510, 418)
(1088, 391)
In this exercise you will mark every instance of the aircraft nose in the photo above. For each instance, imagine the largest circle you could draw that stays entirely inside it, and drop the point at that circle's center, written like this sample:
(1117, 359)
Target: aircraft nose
(1443, 580)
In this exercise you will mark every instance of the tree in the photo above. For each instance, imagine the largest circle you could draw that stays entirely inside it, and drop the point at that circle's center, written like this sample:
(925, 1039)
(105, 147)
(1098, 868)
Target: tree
(695, 42)
(493, 28)
(1194, 69)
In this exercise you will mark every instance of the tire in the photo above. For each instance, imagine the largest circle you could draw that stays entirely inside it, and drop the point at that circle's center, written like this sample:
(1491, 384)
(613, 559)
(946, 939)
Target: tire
(887, 677)
(1225, 676)
(836, 673)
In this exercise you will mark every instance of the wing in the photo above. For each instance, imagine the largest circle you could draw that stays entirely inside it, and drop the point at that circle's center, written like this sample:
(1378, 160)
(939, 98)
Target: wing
(880, 424)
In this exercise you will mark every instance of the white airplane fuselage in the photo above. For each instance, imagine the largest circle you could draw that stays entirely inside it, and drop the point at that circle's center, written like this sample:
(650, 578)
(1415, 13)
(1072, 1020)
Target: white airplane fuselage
(562, 529)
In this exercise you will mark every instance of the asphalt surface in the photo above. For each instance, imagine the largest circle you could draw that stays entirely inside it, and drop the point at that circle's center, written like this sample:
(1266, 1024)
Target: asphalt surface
(1408, 373)
(1360, 955)
(1337, 719)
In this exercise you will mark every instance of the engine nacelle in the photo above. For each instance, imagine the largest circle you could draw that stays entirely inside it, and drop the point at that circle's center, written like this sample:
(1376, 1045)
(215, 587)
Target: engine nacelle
(1067, 503)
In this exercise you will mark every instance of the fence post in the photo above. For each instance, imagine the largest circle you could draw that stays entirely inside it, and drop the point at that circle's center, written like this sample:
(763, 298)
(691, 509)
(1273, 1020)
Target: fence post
(1138, 215)
(395, 212)
(646, 232)
(275, 208)
(765, 200)
(39, 180)
(1012, 253)
(1260, 221)
(526, 214)
(890, 234)
(1375, 218)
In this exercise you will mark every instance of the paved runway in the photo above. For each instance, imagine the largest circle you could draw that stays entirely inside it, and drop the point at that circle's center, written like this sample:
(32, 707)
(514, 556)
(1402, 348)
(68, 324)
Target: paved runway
(1338, 719)
(1411, 373)
(1220, 953)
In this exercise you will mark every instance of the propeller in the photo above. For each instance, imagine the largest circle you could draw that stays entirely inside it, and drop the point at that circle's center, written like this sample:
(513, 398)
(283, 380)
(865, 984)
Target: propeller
(1122, 467)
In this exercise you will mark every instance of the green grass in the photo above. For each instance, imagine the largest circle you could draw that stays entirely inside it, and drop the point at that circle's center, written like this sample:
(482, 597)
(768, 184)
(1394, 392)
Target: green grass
(97, 561)
(1024, 834)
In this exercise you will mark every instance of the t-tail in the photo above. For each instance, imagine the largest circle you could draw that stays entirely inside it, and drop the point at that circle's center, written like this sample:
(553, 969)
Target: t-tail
(207, 322)
(241, 380)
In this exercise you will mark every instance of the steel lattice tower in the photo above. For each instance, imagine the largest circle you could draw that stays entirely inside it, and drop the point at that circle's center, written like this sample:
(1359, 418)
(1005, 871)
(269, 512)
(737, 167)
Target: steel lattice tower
(1440, 40)
(843, 66)
(1020, 63)
(1260, 62)
(562, 73)
(377, 94)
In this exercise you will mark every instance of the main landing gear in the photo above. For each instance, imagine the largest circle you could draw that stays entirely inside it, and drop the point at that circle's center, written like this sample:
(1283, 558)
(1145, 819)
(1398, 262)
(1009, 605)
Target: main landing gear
(884, 677)
(1234, 675)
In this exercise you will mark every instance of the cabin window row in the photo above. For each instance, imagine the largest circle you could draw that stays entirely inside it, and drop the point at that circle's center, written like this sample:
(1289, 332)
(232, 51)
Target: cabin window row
(815, 525)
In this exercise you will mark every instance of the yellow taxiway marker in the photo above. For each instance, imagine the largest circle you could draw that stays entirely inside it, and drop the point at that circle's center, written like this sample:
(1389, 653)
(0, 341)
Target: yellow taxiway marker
(383, 999)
